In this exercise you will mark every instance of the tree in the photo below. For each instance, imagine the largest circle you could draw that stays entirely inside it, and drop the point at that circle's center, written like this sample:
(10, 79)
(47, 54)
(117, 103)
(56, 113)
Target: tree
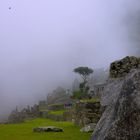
(84, 88)
(84, 72)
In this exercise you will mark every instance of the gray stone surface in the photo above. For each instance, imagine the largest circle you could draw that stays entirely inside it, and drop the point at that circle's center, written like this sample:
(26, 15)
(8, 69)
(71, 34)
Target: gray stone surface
(88, 128)
(121, 102)
(121, 67)
(47, 129)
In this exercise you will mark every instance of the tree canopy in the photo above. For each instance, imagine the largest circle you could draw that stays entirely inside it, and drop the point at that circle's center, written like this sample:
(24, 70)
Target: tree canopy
(84, 72)
(84, 88)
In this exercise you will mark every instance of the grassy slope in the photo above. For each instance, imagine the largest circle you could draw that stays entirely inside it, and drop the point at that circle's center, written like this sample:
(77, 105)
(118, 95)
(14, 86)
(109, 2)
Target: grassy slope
(24, 131)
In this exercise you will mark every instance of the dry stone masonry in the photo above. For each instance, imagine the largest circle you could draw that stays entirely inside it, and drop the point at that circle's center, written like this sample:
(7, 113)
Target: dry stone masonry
(86, 113)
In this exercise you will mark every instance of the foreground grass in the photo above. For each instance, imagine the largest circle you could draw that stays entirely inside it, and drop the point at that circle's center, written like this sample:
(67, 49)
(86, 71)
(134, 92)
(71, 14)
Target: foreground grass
(24, 131)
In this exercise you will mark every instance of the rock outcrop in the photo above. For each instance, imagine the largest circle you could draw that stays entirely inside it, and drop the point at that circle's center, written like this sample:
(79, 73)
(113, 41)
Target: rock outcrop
(88, 128)
(121, 103)
(122, 67)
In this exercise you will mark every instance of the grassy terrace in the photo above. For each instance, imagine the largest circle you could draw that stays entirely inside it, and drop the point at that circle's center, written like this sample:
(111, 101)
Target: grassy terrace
(59, 112)
(24, 131)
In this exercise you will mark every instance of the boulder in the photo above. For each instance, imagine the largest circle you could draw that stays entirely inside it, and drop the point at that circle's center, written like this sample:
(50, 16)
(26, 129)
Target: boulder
(88, 128)
(47, 129)
(121, 102)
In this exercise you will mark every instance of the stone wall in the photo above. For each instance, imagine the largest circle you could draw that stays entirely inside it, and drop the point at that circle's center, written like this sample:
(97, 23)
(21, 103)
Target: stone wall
(56, 107)
(67, 116)
(86, 113)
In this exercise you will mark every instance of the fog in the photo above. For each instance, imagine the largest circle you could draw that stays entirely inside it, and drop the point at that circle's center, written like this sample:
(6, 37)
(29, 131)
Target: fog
(41, 42)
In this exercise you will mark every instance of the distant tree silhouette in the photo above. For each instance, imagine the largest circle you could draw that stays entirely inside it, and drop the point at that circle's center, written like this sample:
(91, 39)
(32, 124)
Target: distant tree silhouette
(84, 72)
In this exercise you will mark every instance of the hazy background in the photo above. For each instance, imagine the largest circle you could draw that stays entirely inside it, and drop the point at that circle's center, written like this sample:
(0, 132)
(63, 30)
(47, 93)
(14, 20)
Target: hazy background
(41, 41)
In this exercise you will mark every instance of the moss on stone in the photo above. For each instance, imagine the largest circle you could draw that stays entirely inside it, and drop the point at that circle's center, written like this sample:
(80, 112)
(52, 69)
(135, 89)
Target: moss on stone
(122, 67)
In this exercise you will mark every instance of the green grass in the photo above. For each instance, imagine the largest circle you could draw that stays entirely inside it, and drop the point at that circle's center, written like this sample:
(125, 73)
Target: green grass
(24, 131)
(58, 112)
(56, 105)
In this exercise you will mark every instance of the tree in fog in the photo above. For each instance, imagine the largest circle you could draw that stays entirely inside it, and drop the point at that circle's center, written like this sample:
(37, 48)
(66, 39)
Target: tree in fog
(84, 72)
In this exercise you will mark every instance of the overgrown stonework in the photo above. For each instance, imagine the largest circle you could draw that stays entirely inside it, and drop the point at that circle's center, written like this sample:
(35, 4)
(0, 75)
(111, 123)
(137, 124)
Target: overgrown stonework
(86, 113)
(121, 101)
(122, 67)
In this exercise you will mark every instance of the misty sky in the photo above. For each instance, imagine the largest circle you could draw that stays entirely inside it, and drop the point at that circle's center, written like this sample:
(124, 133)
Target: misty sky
(42, 41)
